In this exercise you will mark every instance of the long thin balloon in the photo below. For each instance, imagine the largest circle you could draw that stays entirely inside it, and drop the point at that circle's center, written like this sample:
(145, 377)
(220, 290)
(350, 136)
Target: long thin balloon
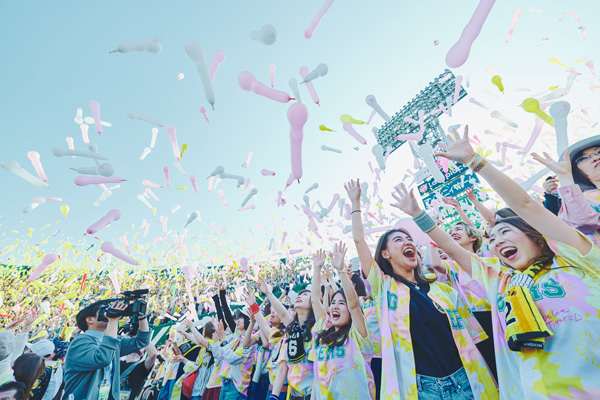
(309, 86)
(248, 82)
(70, 143)
(559, 111)
(320, 70)
(426, 153)
(272, 71)
(84, 133)
(34, 156)
(173, 136)
(15, 168)
(105, 195)
(266, 35)
(496, 114)
(110, 248)
(193, 180)
(459, 53)
(293, 82)
(96, 180)
(95, 106)
(297, 115)
(103, 170)
(195, 52)
(166, 171)
(252, 192)
(65, 152)
(372, 102)
(111, 216)
(135, 115)
(218, 59)
(46, 261)
(313, 24)
(348, 128)
(150, 45)
(515, 18)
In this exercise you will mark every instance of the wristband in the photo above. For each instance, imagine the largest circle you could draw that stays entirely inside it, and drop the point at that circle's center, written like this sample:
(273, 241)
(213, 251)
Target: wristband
(354, 211)
(142, 317)
(424, 221)
(479, 165)
(254, 308)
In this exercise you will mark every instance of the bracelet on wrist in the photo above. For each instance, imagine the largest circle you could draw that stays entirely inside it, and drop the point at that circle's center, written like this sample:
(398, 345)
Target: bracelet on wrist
(479, 165)
(354, 211)
(254, 308)
(424, 221)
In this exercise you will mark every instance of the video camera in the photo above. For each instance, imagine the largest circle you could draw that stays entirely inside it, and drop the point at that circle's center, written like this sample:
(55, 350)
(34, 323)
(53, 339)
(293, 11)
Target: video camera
(136, 305)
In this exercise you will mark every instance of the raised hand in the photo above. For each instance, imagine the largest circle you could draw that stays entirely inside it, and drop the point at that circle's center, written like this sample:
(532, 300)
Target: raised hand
(406, 201)
(188, 323)
(319, 259)
(460, 150)
(450, 201)
(353, 190)
(560, 168)
(338, 255)
(470, 194)
(264, 286)
(550, 185)
(248, 298)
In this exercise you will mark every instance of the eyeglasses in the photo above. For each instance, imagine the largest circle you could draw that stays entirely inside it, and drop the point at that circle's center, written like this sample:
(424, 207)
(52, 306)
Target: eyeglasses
(588, 157)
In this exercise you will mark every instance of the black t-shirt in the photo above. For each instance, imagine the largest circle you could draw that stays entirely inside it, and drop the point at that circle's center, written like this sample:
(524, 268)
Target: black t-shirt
(134, 379)
(434, 349)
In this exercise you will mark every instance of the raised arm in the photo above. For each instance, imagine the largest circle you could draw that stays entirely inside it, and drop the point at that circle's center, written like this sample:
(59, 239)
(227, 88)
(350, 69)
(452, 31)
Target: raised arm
(263, 325)
(515, 197)
(407, 202)
(461, 213)
(358, 232)
(248, 339)
(198, 337)
(283, 313)
(315, 290)
(485, 212)
(352, 301)
(226, 309)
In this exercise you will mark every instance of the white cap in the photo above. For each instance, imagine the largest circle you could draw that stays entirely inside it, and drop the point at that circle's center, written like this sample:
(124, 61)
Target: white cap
(43, 348)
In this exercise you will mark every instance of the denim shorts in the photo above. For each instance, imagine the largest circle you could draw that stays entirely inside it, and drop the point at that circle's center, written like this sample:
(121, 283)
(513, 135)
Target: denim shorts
(452, 387)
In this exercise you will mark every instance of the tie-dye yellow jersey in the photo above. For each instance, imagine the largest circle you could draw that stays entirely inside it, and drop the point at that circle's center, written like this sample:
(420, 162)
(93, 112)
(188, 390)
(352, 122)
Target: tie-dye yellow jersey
(568, 367)
(343, 372)
(398, 377)
(275, 342)
(237, 363)
(215, 378)
(472, 294)
(300, 374)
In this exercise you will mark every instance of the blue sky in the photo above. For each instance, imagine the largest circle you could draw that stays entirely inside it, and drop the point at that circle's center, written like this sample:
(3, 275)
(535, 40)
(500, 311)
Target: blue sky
(56, 59)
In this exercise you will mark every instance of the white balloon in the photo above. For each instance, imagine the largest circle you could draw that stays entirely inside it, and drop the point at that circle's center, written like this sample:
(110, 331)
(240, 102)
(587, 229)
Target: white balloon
(320, 70)
(146, 151)
(327, 148)
(150, 45)
(79, 117)
(219, 170)
(105, 169)
(496, 114)
(177, 165)
(35, 203)
(266, 35)
(372, 102)
(15, 168)
(195, 52)
(559, 112)
(426, 153)
(154, 134)
(191, 218)
(90, 120)
(294, 86)
(143, 200)
(66, 152)
(378, 153)
(311, 187)
(249, 196)
(135, 115)
(105, 195)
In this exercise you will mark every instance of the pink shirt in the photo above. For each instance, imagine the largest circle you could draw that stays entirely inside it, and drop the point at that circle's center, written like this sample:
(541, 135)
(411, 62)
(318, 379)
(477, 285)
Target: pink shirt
(581, 210)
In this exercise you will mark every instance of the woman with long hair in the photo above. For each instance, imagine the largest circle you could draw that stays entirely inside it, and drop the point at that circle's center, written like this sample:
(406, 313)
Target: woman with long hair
(27, 369)
(343, 347)
(295, 364)
(428, 335)
(543, 286)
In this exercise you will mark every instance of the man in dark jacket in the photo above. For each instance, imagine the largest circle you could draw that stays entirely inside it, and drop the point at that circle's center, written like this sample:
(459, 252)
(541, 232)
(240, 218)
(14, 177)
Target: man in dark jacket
(92, 368)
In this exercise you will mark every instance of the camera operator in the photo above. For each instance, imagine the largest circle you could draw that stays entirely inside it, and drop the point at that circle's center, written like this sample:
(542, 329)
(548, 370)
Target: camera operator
(134, 370)
(92, 369)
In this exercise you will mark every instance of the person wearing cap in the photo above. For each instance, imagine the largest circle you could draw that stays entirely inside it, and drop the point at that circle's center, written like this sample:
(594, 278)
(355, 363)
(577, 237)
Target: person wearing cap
(578, 172)
(50, 381)
(428, 336)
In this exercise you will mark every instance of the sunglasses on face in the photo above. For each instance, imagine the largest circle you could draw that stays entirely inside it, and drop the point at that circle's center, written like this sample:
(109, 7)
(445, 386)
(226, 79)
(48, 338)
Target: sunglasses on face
(588, 157)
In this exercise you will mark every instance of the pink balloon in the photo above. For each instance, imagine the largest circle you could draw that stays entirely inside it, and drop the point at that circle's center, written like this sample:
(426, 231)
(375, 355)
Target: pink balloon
(164, 221)
(266, 172)
(123, 240)
(96, 180)
(111, 216)
(348, 128)
(244, 264)
(590, 65)
(95, 106)
(313, 24)
(248, 82)
(84, 133)
(47, 260)
(539, 123)
(218, 59)
(151, 193)
(297, 115)
(110, 248)
(34, 156)
(515, 18)
(272, 69)
(459, 53)
(193, 180)
(222, 196)
(70, 144)
(203, 111)
(252, 207)
(146, 182)
(173, 137)
(309, 86)
(166, 171)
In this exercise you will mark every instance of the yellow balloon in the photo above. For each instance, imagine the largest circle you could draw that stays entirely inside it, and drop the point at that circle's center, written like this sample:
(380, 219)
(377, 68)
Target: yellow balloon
(184, 147)
(182, 188)
(531, 105)
(551, 88)
(347, 118)
(65, 209)
(496, 80)
(555, 61)
(324, 128)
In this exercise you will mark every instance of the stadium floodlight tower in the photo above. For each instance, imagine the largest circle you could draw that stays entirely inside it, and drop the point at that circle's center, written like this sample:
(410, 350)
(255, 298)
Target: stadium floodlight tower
(438, 97)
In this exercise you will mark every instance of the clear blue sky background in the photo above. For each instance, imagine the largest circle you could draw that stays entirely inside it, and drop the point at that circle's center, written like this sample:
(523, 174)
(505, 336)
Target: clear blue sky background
(55, 59)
